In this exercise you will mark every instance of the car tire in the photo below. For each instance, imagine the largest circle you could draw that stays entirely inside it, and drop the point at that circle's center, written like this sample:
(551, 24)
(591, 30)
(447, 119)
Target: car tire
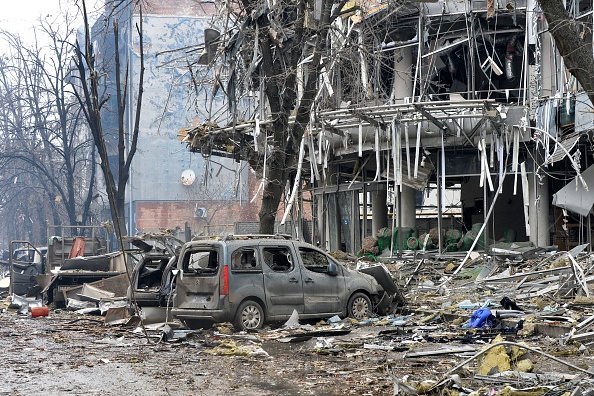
(359, 306)
(249, 316)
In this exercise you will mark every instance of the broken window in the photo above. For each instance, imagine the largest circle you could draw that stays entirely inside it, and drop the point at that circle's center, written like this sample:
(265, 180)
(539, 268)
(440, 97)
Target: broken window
(245, 260)
(278, 258)
(314, 260)
(151, 273)
(201, 262)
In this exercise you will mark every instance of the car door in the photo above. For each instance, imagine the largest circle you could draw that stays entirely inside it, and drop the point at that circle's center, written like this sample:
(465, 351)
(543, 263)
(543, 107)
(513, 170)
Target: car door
(197, 285)
(282, 280)
(322, 292)
(147, 279)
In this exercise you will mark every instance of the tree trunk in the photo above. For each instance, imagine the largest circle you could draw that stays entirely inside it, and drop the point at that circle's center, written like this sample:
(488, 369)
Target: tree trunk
(576, 52)
(287, 137)
(92, 105)
(273, 191)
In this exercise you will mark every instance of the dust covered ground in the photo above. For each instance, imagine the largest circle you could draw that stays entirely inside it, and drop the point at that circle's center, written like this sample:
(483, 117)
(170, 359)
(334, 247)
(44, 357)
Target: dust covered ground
(424, 348)
(69, 354)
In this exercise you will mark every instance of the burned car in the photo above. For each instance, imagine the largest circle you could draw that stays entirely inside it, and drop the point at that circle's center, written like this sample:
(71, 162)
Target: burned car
(152, 275)
(253, 280)
(71, 280)
(25, 263)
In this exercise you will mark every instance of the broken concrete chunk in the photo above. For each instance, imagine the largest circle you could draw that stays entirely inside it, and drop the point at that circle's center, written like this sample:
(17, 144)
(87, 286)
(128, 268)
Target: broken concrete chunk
(525, 365)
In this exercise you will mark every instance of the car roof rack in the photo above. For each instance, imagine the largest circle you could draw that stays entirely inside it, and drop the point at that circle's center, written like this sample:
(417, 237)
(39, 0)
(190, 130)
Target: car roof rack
(206, 237)
(232, 237)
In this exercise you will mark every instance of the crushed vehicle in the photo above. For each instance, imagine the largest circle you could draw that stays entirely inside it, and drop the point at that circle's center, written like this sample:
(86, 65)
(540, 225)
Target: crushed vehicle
(252, 280)
(25, 263)
(66, 282)
(73, 261)
(32, 270)
(151, 277)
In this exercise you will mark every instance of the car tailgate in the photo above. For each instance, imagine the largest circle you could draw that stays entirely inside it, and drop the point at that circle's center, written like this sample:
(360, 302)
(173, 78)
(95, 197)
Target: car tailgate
(197, 292)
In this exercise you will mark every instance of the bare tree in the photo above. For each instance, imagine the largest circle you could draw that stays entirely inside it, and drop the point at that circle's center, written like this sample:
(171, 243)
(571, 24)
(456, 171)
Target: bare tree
(90, 94)
(280, 50)
(41, 122)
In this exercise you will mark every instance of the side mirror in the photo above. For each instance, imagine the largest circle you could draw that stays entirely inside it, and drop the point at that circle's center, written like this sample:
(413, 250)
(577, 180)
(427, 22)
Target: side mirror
(332, 270)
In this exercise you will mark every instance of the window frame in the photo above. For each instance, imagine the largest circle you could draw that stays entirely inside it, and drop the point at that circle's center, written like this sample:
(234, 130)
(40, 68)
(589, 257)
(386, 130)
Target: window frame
(201, 271)
(279, 248)
(242, 268)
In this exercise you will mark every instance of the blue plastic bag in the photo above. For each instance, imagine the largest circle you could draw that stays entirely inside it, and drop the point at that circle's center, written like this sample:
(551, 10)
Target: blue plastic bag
(481, 318)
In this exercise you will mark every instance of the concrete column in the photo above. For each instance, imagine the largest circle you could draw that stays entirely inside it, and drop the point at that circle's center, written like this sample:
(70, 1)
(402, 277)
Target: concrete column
(321, 236)
(403, 84)
(379, 210)
(333, 224)
(539, 212)
(408, 206)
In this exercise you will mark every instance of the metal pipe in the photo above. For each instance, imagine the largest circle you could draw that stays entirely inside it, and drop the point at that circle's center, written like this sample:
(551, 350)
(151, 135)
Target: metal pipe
(410, 106)
(489, 347)
(509, 58)
(399, 209)
(439, 203)
(449, 47)
(485, 205)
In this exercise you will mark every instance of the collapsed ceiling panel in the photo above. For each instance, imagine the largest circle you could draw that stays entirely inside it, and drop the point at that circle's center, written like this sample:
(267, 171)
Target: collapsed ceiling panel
(575, 197)
(562, 149)
(418, 183)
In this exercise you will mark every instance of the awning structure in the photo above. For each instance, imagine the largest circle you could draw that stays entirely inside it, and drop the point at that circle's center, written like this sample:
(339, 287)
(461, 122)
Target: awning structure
(577, 200)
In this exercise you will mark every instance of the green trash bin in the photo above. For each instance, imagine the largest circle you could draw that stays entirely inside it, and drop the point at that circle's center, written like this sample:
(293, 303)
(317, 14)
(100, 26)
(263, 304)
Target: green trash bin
(384, 238)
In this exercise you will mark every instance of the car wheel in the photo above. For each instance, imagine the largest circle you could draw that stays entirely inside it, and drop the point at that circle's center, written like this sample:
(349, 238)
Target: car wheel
(249, 316)
(359, 306)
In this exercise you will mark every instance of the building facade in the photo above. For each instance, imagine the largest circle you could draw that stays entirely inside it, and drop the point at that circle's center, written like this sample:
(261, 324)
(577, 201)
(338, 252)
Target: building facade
(169, 187)
(467, 101)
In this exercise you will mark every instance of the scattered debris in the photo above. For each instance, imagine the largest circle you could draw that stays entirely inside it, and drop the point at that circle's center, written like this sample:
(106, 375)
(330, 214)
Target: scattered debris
(501, 319)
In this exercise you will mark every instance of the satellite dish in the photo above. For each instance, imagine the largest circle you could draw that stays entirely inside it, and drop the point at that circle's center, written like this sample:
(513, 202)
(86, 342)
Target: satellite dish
(187, 177)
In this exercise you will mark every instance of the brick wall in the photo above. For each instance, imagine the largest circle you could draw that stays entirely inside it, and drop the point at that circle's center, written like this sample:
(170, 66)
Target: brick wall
(152, 215)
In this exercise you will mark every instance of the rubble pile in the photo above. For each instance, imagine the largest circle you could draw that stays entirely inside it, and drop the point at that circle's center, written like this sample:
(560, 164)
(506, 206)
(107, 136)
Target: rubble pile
(528, 313)
(514, 320)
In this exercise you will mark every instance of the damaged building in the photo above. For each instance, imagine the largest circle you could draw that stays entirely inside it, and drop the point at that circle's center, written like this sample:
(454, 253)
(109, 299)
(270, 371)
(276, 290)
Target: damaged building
(446, 115)
(169, 188)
